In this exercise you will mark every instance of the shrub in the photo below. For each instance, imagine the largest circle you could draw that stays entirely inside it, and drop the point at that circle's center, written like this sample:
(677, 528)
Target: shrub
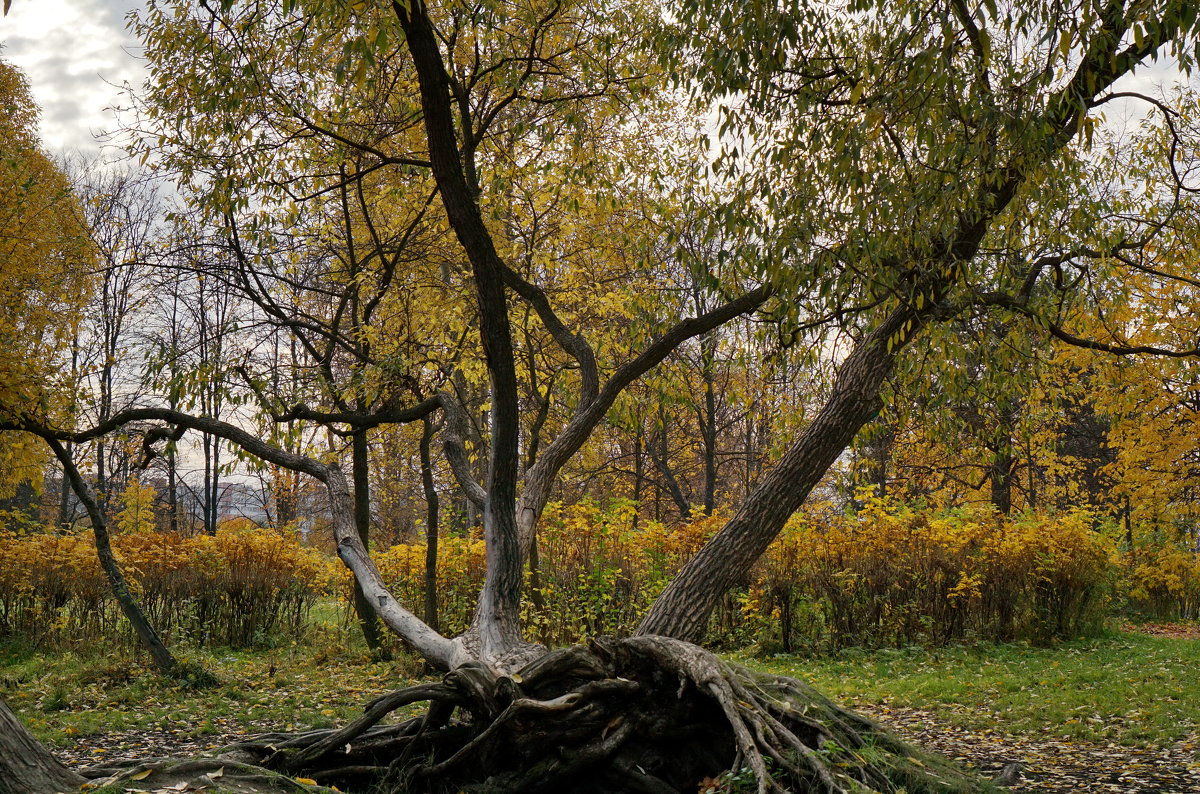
(897, 575)
(237, 588)
(1163, 577)
(893, 574)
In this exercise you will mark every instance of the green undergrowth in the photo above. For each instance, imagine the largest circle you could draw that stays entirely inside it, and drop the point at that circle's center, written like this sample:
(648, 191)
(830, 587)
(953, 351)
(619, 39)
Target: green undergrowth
(1124, 688)
(61, 696)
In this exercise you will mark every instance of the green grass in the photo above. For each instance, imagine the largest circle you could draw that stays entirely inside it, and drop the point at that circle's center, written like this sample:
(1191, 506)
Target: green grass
(62, 695)
(1125, 688)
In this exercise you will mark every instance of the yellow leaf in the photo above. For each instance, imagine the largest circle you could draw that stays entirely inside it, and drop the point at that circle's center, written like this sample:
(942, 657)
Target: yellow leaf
(308, 781)
(145, 773)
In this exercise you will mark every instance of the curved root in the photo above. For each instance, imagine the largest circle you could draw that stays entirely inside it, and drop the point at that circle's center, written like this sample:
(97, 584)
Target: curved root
(646, 714)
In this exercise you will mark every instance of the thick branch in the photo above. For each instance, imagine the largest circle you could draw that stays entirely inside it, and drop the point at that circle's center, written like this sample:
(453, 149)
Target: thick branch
(163, 658)
(362, 420)
(540, 479)
(438, 650)
(454, 436)
(572, 344)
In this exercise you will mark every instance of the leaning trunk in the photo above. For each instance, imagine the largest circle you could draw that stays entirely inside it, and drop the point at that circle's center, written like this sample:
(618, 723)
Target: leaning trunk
(26, 767)
(683, 609)
(163, 659)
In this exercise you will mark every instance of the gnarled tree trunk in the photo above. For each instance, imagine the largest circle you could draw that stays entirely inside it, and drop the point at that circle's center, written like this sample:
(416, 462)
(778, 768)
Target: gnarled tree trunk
(26, 767)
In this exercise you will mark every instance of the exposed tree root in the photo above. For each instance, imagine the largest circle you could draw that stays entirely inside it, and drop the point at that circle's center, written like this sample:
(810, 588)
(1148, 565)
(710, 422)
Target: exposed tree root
(646, 714)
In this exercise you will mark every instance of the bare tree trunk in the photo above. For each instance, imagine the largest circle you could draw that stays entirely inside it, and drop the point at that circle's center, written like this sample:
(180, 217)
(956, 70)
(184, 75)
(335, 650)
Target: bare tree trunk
(153, 643)
(26, 767)
(431, 527)
(638, 473)
(1001, 474)
(661, 457)
(709, 421)
(172, 491)
(66, 512)
(214, 496)
(367, 618)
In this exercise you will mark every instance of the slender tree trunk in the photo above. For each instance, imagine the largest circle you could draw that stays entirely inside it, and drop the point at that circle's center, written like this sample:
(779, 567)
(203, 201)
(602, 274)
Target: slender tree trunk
(535, 437)
(1030, 473)
(206, 489)
(431, 527)
(26, 767)
(639, 474)
(879, 458)
(367, 618)
(65, 509)
(146, 633)
(748, 469)
(709, 428)
(662, 461)
(101, 479)
(214, 500)
(1001, 475)
(172, 491)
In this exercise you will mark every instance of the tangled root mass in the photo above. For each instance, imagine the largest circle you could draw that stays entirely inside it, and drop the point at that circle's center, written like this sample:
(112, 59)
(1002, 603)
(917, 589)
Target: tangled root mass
(645, 714)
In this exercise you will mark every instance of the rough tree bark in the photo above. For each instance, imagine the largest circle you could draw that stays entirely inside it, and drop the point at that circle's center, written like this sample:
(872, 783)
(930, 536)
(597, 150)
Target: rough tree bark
(683, 608)
(26, 767)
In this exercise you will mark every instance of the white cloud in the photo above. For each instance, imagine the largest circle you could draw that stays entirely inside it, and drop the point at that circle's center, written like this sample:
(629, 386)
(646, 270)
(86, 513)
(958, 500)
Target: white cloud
(76, 54)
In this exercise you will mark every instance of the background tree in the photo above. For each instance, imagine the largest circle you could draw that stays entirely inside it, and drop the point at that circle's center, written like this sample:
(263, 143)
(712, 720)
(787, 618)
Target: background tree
(46, 259)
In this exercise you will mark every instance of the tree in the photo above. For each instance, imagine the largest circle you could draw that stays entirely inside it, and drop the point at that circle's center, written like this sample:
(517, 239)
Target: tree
(891, 165)
(46, 253)
(44, 258)
(902, 244)
(26, 765)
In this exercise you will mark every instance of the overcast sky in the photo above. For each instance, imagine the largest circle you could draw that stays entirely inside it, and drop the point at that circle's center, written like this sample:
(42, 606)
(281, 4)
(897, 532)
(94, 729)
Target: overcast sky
(71, 51)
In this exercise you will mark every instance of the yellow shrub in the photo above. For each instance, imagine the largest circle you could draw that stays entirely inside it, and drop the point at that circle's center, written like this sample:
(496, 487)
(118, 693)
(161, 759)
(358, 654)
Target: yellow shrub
(893, 574)
(235, 588)
(1164, 579)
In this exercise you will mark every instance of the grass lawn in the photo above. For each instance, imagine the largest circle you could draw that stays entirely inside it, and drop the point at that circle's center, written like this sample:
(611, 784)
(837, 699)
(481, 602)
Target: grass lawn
(1124, 688)
(63, 695)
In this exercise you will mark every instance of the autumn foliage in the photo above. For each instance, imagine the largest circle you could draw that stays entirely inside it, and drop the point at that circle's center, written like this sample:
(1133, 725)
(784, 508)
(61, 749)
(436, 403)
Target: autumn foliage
(896, 575)
(235, 588)
(889, 574)
(1164, 578)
